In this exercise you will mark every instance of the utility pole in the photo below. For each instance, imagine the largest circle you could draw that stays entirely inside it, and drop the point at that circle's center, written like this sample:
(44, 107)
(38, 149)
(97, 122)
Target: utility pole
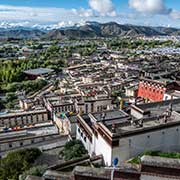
(114, 163)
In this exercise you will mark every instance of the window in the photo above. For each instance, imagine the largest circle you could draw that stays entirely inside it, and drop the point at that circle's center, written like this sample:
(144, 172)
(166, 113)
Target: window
(81, 134)
(92, 107)
(104, 107)
(86, 108)
(37, 117)
(31, 120)
(2, 122)
(79, 130)
(98, 109)
(21, 143)
(84, 139)
(66, 108)
(177, 129)
(148, 136)
(43, 117)
(10, 145)
(32, 141)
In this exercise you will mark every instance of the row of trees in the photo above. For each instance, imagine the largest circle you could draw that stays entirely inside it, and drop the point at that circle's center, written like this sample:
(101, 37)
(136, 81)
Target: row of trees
(10, 89)
(134, 44)
(27, 86)
(53, 57)
(12, 71)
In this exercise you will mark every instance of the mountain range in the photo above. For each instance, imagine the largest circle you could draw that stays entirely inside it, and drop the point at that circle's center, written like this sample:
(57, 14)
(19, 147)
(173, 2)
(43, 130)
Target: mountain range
(88, 30)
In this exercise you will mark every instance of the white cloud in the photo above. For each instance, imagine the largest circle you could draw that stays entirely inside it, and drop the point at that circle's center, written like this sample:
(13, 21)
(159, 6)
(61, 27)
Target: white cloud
(150, 6)
(103, 11)
(42, 15)
(83, 12)
(175, 14)
(103, 7)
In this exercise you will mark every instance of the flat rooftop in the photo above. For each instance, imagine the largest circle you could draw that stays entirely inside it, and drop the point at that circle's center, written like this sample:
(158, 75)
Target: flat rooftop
(38, 71)
(41, 130)
(160, 162)
(175, 93)
(22, 113)
(61, 102)
(150, 123)
(110, 115)
(158, 108)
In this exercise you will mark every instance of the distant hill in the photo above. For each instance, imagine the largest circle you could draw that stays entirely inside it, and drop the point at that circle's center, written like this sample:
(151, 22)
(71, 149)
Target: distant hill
(89, 30)
(111, 29)
(21, 34)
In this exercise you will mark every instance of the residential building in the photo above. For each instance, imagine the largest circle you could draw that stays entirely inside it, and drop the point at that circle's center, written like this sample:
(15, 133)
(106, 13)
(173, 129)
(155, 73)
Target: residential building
(116, 134)
(39, 72)
(43, 136)
(66, 123)
(150, 168)
(19, 119)
(154, 90)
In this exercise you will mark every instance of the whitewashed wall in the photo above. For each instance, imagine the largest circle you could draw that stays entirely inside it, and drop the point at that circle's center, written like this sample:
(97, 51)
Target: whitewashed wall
(163, 140)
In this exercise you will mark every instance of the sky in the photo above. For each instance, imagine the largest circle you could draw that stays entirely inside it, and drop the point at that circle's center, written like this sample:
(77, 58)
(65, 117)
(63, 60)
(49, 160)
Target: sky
(60, 13)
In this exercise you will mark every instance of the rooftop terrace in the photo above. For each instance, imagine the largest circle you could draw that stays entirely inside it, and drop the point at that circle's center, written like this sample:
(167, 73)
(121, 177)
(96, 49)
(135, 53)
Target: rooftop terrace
(158, 108)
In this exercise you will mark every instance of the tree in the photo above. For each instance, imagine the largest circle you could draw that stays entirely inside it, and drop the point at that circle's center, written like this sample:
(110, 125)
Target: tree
(1, 104)
(34, 171)
(11, 97)
(16, 162)
(73, 149)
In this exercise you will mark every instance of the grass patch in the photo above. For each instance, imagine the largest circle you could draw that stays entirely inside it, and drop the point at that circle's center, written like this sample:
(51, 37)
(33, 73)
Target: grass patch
(137, 160)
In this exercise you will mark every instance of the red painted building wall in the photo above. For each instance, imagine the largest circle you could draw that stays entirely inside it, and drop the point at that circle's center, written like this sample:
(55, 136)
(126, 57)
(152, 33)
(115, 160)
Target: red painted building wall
(150, 90)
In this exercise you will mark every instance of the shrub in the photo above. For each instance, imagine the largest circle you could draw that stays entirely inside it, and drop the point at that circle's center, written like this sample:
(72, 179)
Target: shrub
(17, 162)
(34, 171)
(73, 149)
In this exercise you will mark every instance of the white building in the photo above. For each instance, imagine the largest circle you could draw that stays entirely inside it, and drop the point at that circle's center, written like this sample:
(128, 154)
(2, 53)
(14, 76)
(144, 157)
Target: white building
(172, 95)
(65, 123)
(115, 134)
(20, 119)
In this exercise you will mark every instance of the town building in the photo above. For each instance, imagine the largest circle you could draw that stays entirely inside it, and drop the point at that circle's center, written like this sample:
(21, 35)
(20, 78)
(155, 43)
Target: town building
(66, 123)
(150, 168)
(59, 104)
(20, 119)
(155, 109)
(174, 94)
(39, 72)
(154, 90)
(44, 136)
(116, 134)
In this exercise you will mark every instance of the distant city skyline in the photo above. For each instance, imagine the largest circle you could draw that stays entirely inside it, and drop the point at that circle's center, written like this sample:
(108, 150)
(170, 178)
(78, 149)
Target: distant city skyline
(59, 13)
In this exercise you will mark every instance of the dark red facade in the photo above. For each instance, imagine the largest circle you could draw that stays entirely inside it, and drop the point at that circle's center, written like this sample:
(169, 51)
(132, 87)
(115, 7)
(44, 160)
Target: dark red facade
(151, 90)
(154, 90)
